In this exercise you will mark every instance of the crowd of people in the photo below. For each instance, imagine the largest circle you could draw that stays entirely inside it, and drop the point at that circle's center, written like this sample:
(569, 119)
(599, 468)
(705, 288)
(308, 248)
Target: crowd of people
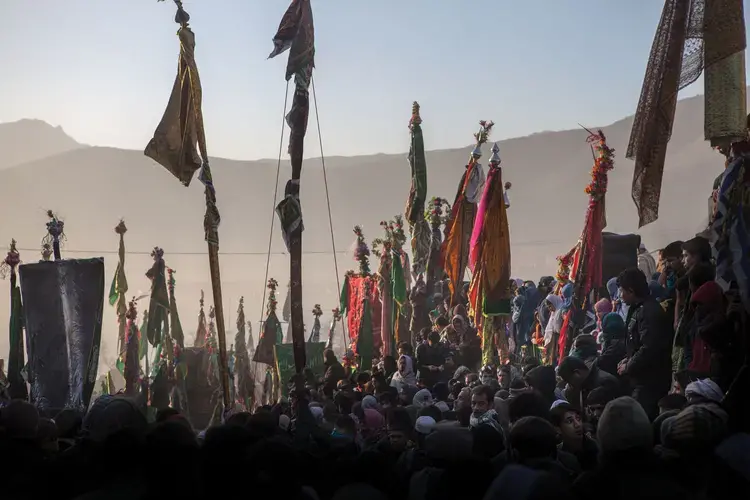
(651, 401)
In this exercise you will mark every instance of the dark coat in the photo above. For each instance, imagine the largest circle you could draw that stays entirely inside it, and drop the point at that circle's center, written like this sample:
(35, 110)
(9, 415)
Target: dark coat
(613, 351)
(333, 374)
(649, 345)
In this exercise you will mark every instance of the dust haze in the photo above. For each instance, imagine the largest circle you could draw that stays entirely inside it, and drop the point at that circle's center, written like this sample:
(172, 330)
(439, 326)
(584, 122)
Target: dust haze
(91, 188)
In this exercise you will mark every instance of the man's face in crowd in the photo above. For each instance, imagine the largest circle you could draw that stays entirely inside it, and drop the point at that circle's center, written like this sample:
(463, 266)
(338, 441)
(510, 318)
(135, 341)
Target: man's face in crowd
(627, 296)
(503, 378)
(673, 262)
(398, 439)
(571, 427)
(449, 362)
(479, 404)
(577, 378)
(595, 411)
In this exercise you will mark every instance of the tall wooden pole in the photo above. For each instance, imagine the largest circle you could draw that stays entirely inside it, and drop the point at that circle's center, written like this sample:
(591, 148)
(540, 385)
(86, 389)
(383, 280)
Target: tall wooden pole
(296, 34)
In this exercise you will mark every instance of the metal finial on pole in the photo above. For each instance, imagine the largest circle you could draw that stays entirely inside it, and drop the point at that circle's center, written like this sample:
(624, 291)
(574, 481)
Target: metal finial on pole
(55, 233)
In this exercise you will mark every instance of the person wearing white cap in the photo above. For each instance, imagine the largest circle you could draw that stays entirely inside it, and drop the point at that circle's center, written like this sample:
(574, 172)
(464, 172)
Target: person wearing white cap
(425, 425)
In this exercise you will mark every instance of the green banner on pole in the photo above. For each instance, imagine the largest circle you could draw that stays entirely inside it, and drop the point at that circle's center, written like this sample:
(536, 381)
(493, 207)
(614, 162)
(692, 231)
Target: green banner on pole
(285, 362)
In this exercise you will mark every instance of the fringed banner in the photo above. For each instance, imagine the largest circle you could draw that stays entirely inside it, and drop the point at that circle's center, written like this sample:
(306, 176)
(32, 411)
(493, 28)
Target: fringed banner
(489, 291)
(118, 289)
(158, 308)
(354, 290)
(176, 326)
(455, 249)
(271, 333)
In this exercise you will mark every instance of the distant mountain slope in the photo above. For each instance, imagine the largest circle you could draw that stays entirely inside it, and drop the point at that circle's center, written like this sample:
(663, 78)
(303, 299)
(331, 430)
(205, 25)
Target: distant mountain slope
(93, 188)
(29, 140)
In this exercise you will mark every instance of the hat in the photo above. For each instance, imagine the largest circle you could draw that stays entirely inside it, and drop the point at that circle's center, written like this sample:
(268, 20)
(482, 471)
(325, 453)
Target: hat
(559, 402)
(425, 425)
(696, 429)
(284, 422)
(422, 398)
(317, 413)
(704, 390)
(624, 425)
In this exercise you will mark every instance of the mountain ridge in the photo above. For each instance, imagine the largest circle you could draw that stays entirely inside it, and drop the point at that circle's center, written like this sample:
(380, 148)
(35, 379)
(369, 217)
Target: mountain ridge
(49, 141)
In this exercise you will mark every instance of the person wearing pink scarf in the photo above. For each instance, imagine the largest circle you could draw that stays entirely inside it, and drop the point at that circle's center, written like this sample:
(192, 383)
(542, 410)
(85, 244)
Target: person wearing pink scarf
(601, 308)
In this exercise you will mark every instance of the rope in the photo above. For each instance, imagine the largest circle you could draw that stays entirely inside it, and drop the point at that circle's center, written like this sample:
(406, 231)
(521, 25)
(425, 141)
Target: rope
(264, 253)
(270, 238)
(141, 252)
(328, 203)
(273, 207)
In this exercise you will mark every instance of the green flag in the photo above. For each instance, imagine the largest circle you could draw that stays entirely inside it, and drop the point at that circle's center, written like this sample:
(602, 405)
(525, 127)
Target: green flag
(142, 346)
(398, 280)
(364, 339)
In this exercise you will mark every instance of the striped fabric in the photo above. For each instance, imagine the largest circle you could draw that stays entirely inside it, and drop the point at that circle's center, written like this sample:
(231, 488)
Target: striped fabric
(730, 228)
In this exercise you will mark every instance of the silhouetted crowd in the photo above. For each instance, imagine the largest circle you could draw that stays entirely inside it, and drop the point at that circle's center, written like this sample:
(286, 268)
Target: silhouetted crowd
(650, 402)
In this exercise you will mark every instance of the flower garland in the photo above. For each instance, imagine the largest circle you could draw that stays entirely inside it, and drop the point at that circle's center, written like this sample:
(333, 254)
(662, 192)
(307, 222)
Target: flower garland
(361, 252)
(603, 163)
(12, 260)
(438, 211)
(415, 120)
(398, 233)
(484, 131)
(385, 242)
(563, 266)
(272, 302)
(55, 229)
(317, 311)
(395, 237)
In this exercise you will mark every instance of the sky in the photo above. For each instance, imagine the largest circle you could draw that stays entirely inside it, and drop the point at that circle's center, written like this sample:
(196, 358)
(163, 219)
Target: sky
(103, 69)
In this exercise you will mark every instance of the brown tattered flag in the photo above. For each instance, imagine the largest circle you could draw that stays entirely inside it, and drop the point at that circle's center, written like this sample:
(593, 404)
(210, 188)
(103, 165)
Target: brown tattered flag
(176, 139)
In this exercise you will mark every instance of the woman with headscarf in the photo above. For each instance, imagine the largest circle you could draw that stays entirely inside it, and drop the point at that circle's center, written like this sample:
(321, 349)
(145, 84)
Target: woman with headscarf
(405, 376)
(612, 338)
(601, 309)
(618, 306)
(559, 305)
(370, 403)
(552, 330)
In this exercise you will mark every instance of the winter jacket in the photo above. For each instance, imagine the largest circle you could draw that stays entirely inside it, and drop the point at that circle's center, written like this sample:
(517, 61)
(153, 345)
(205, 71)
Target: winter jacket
(649, 345)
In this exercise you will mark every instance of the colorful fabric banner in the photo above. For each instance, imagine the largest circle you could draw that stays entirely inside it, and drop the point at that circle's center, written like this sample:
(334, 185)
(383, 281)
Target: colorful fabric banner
(352, 305)
(489, 292)
(458, 229)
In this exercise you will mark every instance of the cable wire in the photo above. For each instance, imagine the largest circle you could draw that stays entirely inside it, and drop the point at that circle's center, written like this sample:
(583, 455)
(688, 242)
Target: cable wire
(275, 197)
(328, 202)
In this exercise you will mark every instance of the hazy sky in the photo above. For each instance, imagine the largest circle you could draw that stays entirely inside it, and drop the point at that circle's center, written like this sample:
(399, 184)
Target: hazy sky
(103, 69)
